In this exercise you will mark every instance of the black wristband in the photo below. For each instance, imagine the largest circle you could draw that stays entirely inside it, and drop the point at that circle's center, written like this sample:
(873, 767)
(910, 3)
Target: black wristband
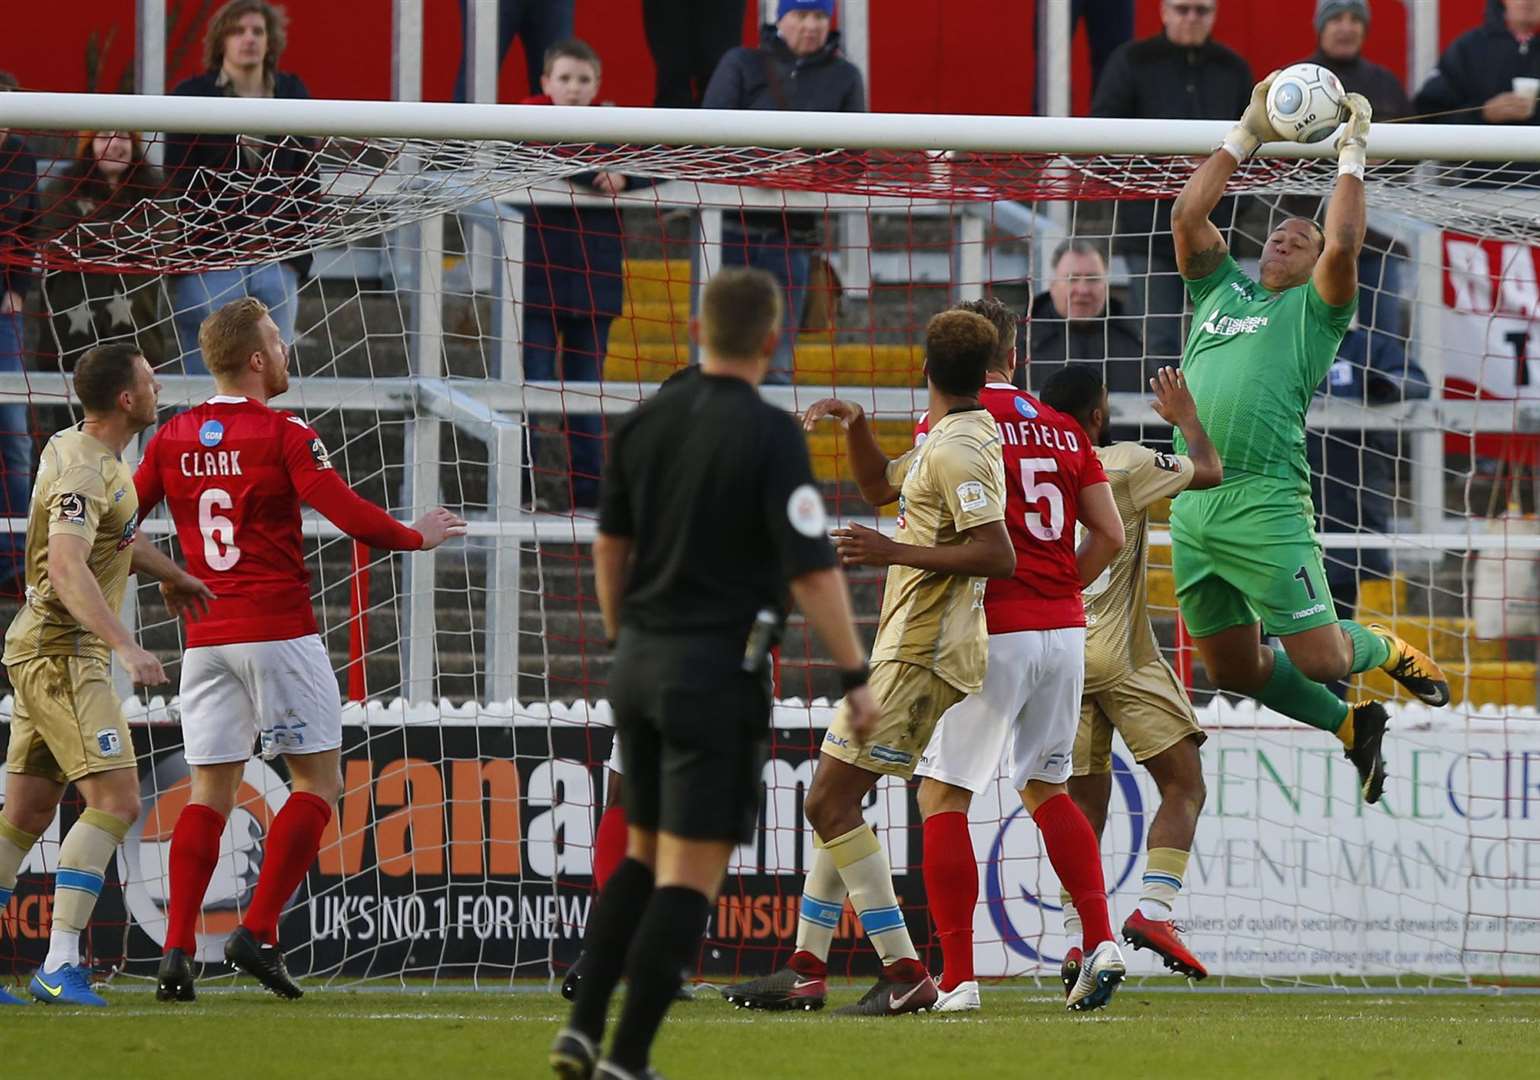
(853, 677)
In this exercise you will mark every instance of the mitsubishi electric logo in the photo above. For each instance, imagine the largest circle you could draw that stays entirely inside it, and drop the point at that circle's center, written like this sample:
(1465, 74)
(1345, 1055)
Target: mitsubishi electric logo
(1229, 326)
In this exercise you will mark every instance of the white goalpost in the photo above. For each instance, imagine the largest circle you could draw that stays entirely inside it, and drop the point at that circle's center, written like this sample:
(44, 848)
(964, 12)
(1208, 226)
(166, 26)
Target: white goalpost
(477, 730)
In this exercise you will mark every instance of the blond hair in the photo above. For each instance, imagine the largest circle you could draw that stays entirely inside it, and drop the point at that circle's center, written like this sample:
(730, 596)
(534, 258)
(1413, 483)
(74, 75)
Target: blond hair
(230, 335)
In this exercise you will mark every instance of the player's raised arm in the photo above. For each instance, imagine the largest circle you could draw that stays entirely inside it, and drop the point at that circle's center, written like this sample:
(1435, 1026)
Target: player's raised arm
(319, 486)
(1336, 272)
(1200, 247)
(1174, 404)
(868, 464)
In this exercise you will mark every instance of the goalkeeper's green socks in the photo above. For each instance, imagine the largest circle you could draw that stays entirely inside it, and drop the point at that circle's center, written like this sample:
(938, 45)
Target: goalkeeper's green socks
(1370, 650)
(1289, 692)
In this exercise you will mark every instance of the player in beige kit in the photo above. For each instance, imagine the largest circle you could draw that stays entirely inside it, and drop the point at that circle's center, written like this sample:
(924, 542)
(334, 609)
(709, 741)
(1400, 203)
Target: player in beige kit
(67, 725)
(1128, 685)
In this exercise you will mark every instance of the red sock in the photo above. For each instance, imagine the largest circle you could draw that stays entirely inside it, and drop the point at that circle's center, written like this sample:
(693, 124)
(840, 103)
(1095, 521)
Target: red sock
(1077, 859)
(805, 963)
(194, 854)
(952, 890)
(291, 847)
(609, 843)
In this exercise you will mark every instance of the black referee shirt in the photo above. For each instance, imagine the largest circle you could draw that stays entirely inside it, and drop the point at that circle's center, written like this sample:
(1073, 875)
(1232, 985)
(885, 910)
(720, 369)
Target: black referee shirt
(713, 486)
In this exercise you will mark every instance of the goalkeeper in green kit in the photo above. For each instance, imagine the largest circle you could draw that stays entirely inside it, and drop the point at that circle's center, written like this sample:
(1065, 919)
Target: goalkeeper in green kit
(1244, 554)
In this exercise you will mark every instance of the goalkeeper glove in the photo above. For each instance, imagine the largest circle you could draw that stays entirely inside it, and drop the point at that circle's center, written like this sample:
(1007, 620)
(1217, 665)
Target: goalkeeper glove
(1353, 143)
(1254, 127)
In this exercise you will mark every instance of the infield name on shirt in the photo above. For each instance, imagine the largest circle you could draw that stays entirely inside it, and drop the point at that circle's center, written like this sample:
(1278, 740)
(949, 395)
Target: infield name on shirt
(211, 463)
(1229, 325)
(1026, 433)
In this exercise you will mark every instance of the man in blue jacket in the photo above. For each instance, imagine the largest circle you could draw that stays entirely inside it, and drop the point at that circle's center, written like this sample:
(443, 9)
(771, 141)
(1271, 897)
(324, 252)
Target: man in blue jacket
(797, 67)
(1476, 81)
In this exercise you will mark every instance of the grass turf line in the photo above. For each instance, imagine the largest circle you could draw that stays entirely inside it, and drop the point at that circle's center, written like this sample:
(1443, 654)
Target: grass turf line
(341, 1034)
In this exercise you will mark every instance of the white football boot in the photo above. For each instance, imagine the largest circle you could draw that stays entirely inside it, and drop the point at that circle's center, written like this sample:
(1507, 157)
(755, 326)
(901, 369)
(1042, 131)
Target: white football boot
(1100, 974)
(964, 997)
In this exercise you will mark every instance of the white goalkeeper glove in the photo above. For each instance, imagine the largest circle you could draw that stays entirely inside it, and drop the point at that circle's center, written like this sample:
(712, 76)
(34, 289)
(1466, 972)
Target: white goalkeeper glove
(1353, 143)
(1254, 128)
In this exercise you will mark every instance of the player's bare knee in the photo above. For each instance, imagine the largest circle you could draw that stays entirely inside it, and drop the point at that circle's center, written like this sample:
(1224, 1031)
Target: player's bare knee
(935, 797)
(31, 819)
(117, 798)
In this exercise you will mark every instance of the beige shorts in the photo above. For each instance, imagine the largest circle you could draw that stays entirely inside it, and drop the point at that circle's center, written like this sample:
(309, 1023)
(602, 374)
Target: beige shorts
(1149, 709)
(66, 720)
(911, 700)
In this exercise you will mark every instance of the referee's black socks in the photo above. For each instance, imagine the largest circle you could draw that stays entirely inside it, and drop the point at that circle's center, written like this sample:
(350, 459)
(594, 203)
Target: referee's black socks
(665, 946)
(612, 923)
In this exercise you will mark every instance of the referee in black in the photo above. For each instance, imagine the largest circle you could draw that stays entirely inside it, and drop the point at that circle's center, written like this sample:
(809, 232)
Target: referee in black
(709, 517)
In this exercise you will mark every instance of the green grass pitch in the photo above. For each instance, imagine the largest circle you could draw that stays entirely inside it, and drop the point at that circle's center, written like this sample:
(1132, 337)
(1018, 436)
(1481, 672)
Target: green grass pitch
(1022, 1032)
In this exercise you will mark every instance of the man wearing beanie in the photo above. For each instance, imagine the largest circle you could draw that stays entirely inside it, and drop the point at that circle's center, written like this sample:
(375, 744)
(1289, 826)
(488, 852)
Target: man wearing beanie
(1182, 73)
(797, 66)
(1341, 27)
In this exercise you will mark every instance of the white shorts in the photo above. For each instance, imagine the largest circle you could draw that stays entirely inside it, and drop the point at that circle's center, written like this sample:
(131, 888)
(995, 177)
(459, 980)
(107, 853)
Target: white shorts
(283, 693)
(1031, 698)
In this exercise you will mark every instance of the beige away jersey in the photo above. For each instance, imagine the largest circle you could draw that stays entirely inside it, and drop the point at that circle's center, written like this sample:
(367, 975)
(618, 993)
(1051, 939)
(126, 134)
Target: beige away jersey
(952, 482)
(85, 490)
(1119, 637)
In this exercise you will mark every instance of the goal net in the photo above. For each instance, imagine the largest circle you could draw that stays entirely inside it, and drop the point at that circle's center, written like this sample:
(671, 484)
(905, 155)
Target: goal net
(472, 311)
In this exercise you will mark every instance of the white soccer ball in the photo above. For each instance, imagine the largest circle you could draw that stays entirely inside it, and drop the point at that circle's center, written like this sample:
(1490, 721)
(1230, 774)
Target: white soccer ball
(1306, 103)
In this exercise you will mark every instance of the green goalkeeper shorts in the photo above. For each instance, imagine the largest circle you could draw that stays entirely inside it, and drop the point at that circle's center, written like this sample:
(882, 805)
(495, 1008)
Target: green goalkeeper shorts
(1246, 551)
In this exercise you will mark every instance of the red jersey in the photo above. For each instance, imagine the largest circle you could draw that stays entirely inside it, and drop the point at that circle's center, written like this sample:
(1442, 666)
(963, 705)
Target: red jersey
(1048, 459)
(233, 473)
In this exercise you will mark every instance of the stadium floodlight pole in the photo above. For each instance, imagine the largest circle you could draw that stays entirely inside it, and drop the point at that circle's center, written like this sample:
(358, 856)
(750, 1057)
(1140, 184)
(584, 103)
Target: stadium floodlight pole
(1422, 25)
(406, 28)
(150, 61)
(1095, 136)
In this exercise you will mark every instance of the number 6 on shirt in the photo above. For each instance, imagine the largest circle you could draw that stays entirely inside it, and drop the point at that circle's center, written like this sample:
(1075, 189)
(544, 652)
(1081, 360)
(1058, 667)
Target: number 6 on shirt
(219, 548)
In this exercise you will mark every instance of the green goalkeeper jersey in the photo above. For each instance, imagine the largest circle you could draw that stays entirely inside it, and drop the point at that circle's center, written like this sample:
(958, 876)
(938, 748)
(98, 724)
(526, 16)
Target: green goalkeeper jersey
(1253, 360)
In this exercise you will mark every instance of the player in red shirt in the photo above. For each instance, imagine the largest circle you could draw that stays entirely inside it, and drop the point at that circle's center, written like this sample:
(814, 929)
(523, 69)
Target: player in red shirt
(1031, 693)
(233, 473)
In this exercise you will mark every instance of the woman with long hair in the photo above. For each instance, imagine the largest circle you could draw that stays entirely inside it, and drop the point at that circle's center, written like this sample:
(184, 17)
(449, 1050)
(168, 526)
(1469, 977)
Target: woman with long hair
(91, 213)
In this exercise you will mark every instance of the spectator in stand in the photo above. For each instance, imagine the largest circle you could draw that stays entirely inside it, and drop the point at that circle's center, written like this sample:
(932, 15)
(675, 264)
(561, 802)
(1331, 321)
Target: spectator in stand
(797, 66)
(239, 181)
(1341, 28)
(1076, 320)
(95, 209)
(574, 276)
(18, 208)
(538, 24)
(1108, 24)
(1488, 76)
(1182, 73)
(687, 39)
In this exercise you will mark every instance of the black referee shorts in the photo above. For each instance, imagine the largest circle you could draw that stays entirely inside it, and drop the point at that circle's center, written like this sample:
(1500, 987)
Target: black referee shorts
(694, 730)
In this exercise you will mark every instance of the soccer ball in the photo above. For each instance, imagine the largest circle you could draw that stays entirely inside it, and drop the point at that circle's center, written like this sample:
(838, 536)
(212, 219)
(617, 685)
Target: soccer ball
(1306, 103)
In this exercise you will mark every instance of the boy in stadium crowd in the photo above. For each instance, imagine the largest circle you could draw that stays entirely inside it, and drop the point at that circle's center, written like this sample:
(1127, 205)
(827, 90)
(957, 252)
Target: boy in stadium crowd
(1030, 696)
(574, 277)
(930, 652)
(67, 724)
(1128, 685)
(234, 472)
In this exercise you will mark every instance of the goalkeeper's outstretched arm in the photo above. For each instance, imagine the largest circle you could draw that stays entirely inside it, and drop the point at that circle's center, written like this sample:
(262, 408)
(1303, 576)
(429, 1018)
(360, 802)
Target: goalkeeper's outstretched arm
(1336, 272)
(1200, 247)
